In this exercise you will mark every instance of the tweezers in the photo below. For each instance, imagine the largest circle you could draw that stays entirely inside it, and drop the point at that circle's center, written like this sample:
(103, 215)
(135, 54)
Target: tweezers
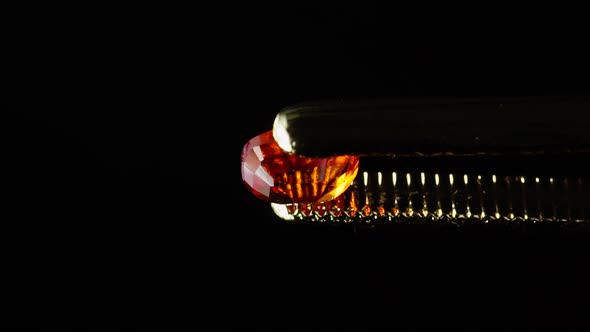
(428, 160)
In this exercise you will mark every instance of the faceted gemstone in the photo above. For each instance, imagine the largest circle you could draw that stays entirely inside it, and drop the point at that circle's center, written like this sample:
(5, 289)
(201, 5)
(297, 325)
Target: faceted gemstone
(280, 177)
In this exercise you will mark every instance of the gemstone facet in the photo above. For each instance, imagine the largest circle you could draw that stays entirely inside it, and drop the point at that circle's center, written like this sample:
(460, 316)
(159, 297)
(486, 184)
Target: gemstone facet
(274, 175)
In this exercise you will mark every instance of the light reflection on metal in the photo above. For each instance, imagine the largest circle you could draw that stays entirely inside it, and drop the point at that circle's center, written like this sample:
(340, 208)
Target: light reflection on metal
(281, 211)
(280, 134)
(410, 208)
(467, 196)
(441, 198)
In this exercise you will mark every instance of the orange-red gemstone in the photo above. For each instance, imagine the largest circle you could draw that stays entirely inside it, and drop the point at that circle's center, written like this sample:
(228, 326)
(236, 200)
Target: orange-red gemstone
(274, 175)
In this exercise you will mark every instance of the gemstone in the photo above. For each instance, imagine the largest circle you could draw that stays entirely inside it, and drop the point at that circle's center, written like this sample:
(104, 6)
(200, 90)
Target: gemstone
(274, 175)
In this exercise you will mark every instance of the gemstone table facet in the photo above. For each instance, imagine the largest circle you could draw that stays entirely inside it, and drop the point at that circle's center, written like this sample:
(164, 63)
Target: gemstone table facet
(274, 175)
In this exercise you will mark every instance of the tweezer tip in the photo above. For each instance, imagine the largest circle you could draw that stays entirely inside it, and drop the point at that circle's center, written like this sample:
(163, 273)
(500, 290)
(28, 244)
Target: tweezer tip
(280, 133)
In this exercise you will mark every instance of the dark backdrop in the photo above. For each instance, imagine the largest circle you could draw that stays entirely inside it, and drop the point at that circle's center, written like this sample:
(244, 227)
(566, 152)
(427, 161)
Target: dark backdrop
(124, 131)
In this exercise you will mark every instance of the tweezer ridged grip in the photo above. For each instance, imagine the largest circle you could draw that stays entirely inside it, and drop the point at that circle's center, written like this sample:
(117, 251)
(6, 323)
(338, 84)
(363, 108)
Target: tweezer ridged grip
(377, 197)
(386, 127)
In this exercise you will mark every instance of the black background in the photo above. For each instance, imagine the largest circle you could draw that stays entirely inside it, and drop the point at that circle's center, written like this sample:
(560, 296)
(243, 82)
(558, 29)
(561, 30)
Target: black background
(122, 141)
